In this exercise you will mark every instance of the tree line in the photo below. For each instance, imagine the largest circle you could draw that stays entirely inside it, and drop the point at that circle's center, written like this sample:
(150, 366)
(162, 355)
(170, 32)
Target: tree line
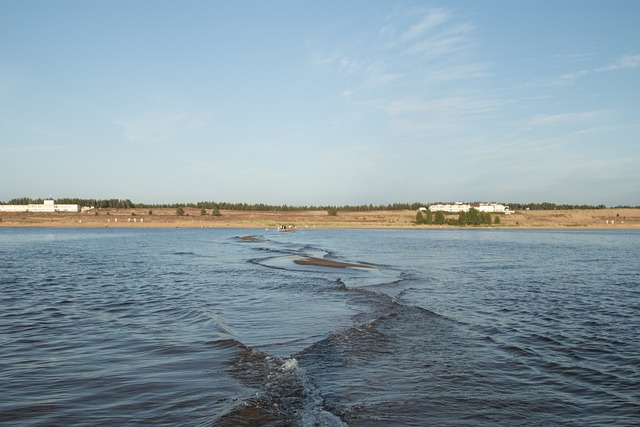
(546, 206)
(128, 204)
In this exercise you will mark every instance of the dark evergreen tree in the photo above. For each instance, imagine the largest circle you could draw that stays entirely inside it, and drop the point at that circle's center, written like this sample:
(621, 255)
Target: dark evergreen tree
(462, 219)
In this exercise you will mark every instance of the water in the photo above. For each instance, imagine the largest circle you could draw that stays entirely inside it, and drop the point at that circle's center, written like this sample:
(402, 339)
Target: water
(205, 327)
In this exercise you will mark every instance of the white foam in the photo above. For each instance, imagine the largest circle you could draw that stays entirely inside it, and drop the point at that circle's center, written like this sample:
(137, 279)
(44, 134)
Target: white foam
(290, 365)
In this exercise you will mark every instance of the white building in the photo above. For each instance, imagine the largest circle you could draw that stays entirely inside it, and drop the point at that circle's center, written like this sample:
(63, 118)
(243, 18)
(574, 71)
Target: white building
(450, 207)
(47, 206)
(458, 207)
(491, 207)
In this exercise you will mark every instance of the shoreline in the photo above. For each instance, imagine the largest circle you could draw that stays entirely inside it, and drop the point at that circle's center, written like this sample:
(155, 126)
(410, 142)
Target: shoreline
(590, 219)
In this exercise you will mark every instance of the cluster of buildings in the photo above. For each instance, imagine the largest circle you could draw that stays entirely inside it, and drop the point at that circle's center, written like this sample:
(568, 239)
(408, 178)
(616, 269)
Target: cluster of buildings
(466, 207)
(47, 206)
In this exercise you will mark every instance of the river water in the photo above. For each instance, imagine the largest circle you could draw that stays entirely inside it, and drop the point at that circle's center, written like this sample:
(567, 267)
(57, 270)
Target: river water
(206, 327)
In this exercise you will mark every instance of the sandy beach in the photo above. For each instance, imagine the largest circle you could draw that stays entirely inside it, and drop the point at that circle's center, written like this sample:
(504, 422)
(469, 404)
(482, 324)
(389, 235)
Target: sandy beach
(622, 218)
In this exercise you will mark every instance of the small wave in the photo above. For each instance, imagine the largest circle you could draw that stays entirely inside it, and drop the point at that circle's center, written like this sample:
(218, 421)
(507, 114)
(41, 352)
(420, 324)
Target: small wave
(517, 350)
(284, 395)
(184, 253)
(546, 339)
(225, 343)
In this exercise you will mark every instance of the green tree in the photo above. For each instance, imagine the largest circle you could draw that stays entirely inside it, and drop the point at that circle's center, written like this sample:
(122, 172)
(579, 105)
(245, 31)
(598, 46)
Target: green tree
(440, 219)
(215, 211)
(496, 220)
(429, 219)
(180, 211)
(486, 218)
(419, 218)
(332, 211)
(462, 218)
(203, 211)
(473, 217)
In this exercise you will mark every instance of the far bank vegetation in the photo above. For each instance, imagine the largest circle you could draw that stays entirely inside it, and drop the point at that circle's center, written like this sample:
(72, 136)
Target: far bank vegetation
(473, 218)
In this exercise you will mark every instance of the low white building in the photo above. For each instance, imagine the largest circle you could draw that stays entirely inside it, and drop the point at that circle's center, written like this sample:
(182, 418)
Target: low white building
(491, 207)
(47, 206)
(450, 207)
(458, 207)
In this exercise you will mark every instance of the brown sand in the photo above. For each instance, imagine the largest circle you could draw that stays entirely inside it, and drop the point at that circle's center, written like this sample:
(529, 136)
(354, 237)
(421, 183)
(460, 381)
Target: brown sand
(167, 218)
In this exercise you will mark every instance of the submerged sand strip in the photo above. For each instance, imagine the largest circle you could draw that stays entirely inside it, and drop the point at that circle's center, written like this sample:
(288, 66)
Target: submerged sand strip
(250, 238)
(321, 262)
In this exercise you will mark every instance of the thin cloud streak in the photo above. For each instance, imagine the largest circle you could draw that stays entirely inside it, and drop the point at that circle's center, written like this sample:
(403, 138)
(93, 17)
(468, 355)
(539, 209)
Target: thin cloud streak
(153, 127)
(547, 120)
(625, 61)
(433, 19)
(452, 41)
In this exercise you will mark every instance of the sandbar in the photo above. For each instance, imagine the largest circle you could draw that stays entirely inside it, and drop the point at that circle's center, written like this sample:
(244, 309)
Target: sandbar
(322, 262)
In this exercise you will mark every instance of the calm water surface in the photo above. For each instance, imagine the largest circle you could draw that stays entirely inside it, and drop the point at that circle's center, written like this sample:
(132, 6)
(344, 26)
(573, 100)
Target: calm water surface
(202, 327)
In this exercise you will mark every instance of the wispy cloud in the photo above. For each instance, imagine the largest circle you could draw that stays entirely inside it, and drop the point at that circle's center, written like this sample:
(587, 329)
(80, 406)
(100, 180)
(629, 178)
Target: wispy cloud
(349, 65)
(547, 120)
(154, 127)
(575, 57)
(452, 40)
(605, 176)
(413, 52)
(569, 78)
(345, 63)
(453, 105)
(377, 74)
(411, 44)
(521, 148)
(432, 19)
(458, 72)
(625, 61)
(45, 139)
(420, 116)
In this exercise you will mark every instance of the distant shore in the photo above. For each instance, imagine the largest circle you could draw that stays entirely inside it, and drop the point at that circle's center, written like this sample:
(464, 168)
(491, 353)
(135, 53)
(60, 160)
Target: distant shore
(614, 218)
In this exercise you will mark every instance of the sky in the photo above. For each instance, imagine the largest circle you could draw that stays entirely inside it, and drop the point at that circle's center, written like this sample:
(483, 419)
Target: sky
(321, 102)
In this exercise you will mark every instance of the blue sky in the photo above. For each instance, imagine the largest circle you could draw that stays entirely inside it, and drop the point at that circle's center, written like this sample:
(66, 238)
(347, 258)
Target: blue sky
(321, 102)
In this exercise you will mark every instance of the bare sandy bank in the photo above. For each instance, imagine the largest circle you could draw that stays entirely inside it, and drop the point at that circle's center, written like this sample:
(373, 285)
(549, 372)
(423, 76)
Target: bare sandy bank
(167, 218)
